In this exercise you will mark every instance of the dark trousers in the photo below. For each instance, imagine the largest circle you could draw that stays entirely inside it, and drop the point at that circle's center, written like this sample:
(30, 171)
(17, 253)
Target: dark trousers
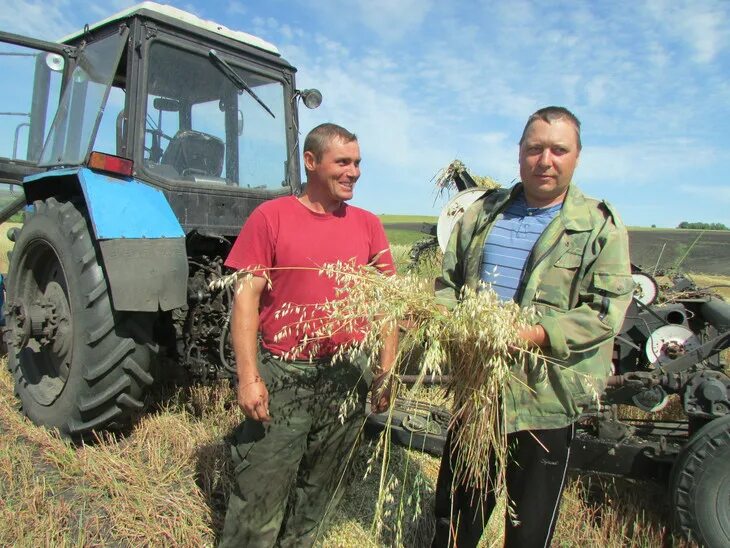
(288, 471)
(535, 479)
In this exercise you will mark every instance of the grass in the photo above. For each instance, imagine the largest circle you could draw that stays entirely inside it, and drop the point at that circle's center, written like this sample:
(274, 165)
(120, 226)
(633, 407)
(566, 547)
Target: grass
(718, 284)
(392, 219)
(154, 486)
(664, 228)
(5, 244)
(166, 483)
(399, 236)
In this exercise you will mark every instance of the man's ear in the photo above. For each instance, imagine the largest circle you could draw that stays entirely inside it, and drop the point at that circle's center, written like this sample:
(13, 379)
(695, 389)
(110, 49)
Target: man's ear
(310, 162)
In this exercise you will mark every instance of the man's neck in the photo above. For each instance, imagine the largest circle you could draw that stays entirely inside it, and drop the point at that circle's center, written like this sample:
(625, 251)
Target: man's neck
(318, 204)
(542, 203)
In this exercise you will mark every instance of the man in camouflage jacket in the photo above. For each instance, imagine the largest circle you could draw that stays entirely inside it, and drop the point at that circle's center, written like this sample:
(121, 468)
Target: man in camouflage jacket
(577, 276)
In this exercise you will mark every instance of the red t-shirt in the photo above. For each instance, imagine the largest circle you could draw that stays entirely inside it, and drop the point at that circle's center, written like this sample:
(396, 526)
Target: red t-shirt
(285, 235)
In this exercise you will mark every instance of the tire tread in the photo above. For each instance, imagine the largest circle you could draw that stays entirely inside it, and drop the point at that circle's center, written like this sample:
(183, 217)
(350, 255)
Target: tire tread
(110, 369)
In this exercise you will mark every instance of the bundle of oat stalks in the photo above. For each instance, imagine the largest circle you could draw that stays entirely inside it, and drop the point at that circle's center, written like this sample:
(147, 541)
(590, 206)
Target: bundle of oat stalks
(476, 343)
(444, 179)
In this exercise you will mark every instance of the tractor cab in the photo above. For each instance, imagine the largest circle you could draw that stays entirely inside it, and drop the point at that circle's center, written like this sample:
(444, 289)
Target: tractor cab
(204, 113)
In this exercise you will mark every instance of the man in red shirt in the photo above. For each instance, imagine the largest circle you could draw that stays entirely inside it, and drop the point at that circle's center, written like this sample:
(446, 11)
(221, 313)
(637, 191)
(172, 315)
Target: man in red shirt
(291, 452)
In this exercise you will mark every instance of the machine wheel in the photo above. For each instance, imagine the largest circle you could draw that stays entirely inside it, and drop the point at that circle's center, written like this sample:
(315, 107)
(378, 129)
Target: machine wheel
(421, 249)
(700, 485)
(78, 365)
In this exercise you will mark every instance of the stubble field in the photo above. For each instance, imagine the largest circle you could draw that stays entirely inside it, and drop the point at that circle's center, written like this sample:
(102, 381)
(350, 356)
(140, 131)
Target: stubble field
(696, 251)
(653, 249)
(166, 482)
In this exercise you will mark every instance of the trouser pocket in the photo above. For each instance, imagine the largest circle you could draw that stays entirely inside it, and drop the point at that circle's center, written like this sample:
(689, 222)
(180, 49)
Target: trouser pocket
(243, 438)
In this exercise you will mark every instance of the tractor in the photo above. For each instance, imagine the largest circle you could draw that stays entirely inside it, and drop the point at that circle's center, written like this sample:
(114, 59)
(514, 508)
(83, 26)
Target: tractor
(139, 146)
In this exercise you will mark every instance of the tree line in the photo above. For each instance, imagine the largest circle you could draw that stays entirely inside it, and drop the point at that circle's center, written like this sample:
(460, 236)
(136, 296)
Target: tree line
(703, 226)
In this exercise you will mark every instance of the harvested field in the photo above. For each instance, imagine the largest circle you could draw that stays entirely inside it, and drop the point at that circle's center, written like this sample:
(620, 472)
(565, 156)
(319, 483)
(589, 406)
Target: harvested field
(710, 254)
(671, 248)
(422, 227)
(167, 482)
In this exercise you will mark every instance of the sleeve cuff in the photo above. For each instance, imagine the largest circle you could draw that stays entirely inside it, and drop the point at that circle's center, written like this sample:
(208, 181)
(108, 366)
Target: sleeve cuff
(558, 345)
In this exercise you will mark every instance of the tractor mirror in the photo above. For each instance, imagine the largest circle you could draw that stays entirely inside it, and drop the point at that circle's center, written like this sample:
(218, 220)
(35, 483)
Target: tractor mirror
(166, 105)
(311, 98)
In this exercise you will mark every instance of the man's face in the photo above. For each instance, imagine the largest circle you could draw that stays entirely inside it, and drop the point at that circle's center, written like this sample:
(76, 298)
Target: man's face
(336, 172)
(548, 156)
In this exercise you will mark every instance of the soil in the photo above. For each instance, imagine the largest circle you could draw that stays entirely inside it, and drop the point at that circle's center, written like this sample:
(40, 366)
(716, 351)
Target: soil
(661, 249)
(710, 254)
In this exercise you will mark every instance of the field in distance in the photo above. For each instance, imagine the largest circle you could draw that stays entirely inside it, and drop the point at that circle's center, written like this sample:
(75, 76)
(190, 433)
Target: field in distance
(706, 251)
(660, 249)
(399, 219)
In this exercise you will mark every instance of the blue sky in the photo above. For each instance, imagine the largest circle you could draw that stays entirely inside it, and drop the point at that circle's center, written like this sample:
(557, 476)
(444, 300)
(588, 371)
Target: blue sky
(424, 82)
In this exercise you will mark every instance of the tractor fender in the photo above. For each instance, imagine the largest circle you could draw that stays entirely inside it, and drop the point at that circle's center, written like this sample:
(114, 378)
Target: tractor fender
(141, 242)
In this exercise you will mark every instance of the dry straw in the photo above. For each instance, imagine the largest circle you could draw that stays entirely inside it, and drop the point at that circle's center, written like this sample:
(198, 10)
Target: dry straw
(476, 343)
(444, 179)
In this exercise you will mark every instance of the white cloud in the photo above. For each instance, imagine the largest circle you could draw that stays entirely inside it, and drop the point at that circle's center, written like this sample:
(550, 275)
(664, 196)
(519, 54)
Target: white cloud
(646, 171)
(702, 26)
(47, 20)
(393, 20)
(388, 20)
(236, 8)
(97, 12)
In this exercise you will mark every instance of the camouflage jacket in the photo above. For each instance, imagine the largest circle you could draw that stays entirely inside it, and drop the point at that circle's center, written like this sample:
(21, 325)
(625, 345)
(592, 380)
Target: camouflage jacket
(578, 278)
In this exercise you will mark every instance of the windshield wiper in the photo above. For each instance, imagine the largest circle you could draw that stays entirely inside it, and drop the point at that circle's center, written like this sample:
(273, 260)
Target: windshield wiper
(233, 76)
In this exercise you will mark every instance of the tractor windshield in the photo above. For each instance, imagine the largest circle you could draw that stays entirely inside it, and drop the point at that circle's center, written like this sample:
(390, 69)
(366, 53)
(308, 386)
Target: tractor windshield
(82, 105)
(203, 126)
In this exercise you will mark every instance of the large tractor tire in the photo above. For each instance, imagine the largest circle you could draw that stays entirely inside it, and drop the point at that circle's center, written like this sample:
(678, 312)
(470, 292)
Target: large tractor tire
(700, 485)
(79, 366)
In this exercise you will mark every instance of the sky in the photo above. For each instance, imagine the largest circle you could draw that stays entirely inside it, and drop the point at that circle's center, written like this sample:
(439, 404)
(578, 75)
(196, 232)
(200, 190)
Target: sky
(424, 82)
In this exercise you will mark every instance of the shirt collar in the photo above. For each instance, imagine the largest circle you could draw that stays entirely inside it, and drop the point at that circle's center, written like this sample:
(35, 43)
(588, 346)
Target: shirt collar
(520, 203)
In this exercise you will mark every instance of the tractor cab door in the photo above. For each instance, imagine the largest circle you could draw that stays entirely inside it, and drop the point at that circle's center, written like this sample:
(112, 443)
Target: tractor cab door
(34, 73)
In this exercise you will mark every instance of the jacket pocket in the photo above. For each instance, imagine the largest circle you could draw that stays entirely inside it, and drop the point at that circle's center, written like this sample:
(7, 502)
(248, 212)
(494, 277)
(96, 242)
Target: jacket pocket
(610, 287)
(558, 279)
(580, 389)
(569, 259)
(613, 285)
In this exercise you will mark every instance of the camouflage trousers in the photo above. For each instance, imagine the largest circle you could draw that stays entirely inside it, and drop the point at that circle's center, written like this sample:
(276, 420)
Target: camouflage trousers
(289, 472)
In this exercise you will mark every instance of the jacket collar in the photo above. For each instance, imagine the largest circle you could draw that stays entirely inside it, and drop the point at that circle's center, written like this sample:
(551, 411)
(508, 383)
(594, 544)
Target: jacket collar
(575, 213)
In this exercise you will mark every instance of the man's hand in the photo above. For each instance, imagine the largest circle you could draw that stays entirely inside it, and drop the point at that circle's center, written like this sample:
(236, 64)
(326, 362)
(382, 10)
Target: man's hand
(253, 399)
(382, 385)
(380, 392)
(535, 335)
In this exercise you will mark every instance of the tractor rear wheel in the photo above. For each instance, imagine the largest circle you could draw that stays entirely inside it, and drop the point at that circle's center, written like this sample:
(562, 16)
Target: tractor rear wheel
(78, 365)
(700, 485)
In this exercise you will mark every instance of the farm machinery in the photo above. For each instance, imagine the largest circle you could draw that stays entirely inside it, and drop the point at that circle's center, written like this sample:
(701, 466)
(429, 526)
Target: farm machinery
(665, 414)
(140, 145)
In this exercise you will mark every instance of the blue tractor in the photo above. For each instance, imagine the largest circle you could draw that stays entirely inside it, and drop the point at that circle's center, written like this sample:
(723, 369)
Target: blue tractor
(139, 147)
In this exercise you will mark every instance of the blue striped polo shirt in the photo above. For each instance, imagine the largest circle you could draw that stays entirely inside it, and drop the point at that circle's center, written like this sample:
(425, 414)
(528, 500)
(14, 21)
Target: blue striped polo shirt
(510, 242)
